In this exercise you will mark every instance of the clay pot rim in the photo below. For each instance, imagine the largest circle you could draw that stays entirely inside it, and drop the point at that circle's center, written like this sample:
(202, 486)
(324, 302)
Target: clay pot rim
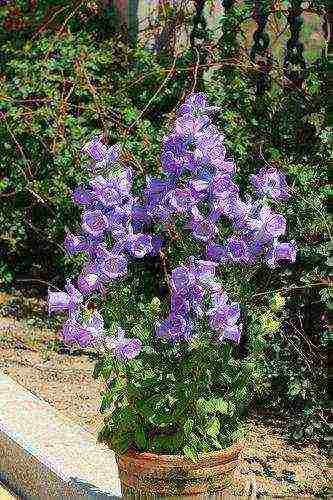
(235, 448)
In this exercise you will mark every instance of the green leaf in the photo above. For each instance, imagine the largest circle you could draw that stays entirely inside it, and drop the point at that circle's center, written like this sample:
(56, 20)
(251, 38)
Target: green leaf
(98, 368)
(140, 439)
(106, 402)
(213, 427)
(190, 453)
(188, 426)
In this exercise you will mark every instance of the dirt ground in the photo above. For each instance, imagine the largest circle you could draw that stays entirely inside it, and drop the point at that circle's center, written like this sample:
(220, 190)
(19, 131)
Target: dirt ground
(269, 465)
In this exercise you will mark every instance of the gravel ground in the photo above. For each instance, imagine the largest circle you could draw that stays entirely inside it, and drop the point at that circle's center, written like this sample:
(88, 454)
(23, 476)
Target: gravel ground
(269, 465)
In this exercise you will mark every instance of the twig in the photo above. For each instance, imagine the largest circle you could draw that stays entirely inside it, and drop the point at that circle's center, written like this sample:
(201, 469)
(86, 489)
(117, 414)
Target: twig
(290, 289)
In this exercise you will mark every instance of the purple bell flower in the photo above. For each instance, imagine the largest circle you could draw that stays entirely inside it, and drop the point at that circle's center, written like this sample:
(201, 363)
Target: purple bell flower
(109, 157)
(90, 279)
(106, 191)
(216, 252)
(223, 186)
(74, 244)
(95, 148)
(237, 250)
(231, 333)
(221, 317)
(180, 200)
(202, 229)
(139, 245)
(182, 279)
(83, 196)
(271, 182)
(94, 222)
(268, 225)
(123, 348)
(281, 252)
(203, 270)
(196, 104)
(189, 126)
(90, 334)
(114, 266)
(175, 328)
(64, 301)
(180, 305)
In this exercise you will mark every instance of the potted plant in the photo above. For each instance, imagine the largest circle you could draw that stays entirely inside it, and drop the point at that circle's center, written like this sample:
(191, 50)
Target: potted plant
(176, 388)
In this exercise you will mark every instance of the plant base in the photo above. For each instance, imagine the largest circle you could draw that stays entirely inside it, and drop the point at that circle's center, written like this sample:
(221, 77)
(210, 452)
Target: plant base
(149, 475)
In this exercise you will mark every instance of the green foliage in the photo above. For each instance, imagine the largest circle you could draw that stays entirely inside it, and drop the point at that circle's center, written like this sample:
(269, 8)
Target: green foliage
(58, 92)
(165, 407)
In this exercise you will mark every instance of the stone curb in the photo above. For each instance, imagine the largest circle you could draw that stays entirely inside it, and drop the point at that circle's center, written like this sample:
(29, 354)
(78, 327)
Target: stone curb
(45, 455)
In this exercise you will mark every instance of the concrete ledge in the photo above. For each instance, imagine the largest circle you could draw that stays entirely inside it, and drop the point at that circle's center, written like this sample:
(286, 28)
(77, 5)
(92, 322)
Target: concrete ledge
(44, 455)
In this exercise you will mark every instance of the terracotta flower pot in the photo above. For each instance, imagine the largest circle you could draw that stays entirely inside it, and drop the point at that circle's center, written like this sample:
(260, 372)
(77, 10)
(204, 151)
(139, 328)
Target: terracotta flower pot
(167, 475)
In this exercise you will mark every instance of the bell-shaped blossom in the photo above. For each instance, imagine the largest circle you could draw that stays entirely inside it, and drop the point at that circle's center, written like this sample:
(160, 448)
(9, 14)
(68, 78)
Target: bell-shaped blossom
(203, 270)
(157, 188)
(111, 156)
(231, 333)
(95, 148)
(88, 334)
(182, 279)
(175, 328)
(202, 229)
(123, 348)
(231, 206)
(267, 225)
(139, 245)
(74, 243)
(189, 126)
(222, 186)
(199, 188)
(83, 196)
(103, 156)
(64, 301)
(281, 252)
(113, 266)
(180, 200)
(90, 279)
(197, 104)
(237, 250)
(215, 252)
(94, 222)
(223, 317)
(106, 191)
(271, 182)
(179, 304)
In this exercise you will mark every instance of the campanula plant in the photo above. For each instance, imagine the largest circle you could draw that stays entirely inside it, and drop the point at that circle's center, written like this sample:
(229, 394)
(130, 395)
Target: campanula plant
(175, 382)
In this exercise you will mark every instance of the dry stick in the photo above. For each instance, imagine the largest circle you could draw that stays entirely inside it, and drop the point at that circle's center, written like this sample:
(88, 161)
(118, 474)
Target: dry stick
(32, 280)
(293, 288)
(228, 62)
(59, 123)
(91, 88)
(297, 349)
(19, 147)
(311, 345)
(195, 72)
